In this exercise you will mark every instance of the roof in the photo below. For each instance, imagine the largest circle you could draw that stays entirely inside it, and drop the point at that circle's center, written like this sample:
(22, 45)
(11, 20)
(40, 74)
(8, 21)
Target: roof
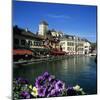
(44, 22)
(20, 31)
(53, 30)
(68, 36)
(74, 37)
(84, 39)
(23, 32)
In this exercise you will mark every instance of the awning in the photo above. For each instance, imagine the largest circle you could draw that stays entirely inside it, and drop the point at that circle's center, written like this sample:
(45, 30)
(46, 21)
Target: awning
(40, 49)
(58, 53)
(22, 52)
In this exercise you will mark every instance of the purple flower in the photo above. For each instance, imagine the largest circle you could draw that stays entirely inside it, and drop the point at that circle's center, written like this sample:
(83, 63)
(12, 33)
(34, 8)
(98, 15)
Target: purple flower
(39, 82)
(46, 75)
(51, 78)
(50, 87)
(41, 91)
(25, 95)
(22, 81)
(59, 85)
(54, 93)
(71, 91)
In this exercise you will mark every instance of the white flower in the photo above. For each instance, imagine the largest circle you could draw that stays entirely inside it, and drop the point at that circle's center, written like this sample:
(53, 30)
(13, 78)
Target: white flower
(30, 86)
(81, 89)
(83, 93)
(34, 92)
(77, 88)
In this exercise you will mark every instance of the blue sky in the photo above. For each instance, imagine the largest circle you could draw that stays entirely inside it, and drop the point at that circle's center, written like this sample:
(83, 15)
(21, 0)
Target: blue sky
(70, 19)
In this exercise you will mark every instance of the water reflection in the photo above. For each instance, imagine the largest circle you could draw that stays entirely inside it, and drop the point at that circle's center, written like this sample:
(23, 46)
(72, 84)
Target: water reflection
(73, 70)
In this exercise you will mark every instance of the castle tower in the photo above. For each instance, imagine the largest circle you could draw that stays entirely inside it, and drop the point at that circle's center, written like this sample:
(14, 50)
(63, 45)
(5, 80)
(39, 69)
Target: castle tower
(43, 28)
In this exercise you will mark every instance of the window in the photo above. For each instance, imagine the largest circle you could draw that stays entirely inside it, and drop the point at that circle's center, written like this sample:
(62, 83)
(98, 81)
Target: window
(62, 43)
(23, 42)
(70, 43)
(37, 43)
(86, 46)
(63, 48)
(29, 43)
(16, 41)
(68, 48)
(70, 37)
(80, 44)
(80, 49)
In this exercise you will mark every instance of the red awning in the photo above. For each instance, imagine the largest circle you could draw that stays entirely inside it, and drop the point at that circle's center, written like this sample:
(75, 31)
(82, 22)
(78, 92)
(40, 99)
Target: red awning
(21, 52)
(58, 52)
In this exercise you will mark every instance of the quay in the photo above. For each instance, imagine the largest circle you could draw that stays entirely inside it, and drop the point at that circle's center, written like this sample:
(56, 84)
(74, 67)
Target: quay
(45, 59)
(53, 58)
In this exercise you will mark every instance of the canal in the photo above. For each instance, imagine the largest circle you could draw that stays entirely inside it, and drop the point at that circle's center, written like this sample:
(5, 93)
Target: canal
(73, 70)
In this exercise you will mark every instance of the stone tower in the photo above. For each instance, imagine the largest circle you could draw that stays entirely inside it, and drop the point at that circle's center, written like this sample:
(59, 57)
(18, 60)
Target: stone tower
(43, 28)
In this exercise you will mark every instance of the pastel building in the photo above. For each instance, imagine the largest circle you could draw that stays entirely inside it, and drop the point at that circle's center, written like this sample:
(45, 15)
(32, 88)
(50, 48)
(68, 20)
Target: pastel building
(74, 45)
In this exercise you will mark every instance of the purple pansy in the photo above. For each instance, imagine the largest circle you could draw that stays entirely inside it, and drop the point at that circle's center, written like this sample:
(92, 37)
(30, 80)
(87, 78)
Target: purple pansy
(22, 81)
(51, 78)
(41, 91)
(54, 92)
(25, 95)
(46, 75)
(50, 87)
(59, 85)
(39, 82)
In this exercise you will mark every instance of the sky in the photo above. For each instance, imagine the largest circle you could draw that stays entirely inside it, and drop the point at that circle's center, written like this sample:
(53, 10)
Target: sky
(71, 19)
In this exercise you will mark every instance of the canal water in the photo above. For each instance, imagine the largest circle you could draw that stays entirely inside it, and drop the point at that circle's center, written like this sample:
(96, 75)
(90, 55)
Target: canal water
(73, 70)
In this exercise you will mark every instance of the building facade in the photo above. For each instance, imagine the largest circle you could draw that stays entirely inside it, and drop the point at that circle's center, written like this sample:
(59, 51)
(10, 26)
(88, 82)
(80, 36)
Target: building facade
(49, 40)
(74, 45)
(51, 37)
(23, 40)
(87, 47)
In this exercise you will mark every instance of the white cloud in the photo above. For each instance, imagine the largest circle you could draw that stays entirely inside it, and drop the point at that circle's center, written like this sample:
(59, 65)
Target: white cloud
(59, 16)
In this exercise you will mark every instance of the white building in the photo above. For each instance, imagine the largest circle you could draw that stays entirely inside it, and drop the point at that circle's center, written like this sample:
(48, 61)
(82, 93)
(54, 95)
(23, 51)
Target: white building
(86, 47)
(56, 33)
(74, 45)
(43, 28)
